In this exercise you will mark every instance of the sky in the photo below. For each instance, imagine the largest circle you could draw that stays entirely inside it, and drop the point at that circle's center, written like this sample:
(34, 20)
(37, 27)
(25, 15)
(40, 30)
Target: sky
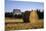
(22, 5)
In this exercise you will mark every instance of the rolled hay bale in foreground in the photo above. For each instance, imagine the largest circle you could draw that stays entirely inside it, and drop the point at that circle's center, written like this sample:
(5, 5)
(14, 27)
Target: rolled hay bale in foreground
(34, 20)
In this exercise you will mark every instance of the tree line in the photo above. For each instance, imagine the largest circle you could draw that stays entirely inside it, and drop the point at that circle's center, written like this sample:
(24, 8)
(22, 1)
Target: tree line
(25, 15)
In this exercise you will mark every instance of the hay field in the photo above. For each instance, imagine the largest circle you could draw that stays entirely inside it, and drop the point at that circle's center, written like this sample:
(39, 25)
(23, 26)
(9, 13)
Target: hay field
(12, 25)
(7, 19)
(34, 23)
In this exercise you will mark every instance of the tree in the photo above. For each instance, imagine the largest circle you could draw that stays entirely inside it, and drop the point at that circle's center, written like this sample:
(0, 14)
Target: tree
(40, 14)
(26, 16)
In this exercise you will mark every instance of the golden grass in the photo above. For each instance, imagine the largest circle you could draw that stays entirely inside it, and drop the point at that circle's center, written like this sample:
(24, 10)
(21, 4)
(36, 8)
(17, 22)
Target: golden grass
(18, 26)
(13, 20)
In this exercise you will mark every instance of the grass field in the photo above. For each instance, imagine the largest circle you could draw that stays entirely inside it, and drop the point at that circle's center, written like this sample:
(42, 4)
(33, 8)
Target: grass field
(13, 20)
(12, 25)
(34, 23)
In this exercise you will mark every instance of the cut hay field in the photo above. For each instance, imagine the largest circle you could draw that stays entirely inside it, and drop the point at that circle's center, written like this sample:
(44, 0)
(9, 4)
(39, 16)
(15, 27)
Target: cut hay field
(13, 20)
(34, 23)
(12, 25)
